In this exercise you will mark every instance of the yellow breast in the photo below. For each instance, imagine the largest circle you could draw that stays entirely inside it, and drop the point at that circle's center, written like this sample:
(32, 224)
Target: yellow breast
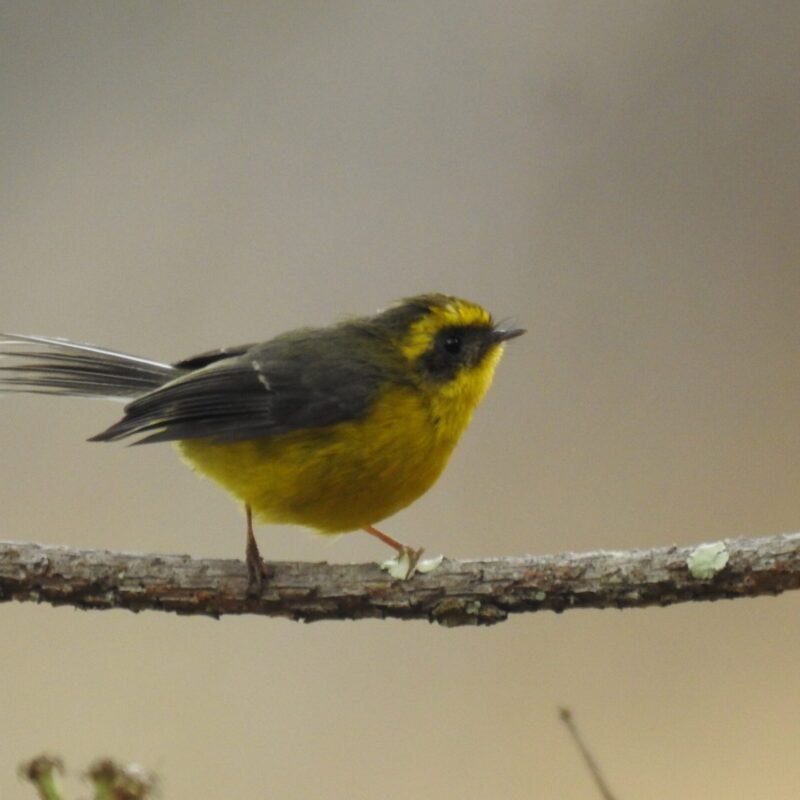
(345, 476)
(342, 477)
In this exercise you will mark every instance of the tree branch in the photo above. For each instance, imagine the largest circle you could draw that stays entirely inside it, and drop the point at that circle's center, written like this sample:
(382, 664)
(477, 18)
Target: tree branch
(457, 593)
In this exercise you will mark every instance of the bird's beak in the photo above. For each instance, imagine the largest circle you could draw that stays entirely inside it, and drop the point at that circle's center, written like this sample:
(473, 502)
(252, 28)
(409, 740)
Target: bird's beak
(502, 334)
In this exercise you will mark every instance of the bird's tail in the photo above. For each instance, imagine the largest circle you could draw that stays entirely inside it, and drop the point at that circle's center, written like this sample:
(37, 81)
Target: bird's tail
(56, 366)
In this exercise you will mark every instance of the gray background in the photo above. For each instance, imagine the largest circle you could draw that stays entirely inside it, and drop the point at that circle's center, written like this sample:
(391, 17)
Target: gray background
(620, 176)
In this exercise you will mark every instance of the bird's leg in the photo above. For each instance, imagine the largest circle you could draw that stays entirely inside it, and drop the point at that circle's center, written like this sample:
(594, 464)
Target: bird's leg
(407, 561)
(257, 570)
(393, 543)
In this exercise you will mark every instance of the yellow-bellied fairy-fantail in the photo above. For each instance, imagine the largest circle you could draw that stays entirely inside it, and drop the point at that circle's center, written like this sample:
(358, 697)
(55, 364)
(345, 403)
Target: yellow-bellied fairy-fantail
(333, 428)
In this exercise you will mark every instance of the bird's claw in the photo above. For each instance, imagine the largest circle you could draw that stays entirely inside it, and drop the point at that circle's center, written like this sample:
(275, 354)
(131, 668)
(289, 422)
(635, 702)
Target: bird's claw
(258, 573)
(408, 561)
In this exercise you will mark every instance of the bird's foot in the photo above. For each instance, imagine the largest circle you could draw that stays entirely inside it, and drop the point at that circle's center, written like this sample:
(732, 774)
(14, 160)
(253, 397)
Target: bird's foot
(409, 561)
(257, 571)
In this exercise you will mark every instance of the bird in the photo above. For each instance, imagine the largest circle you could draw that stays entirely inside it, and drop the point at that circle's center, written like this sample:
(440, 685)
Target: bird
(331, 428)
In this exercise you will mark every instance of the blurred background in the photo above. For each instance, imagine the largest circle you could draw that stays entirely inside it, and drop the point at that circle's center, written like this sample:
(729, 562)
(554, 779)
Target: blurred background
(621, 177)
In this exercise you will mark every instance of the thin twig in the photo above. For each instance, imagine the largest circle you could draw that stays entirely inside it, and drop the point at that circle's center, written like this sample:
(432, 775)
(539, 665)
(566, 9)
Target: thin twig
(457, 593)
(566, 717)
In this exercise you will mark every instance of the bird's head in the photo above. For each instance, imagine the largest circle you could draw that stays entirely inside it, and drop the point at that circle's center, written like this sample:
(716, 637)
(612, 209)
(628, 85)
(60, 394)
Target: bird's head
(453, 346)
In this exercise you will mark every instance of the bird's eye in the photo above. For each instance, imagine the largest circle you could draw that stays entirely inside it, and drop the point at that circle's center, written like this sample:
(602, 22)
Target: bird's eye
(453, 344)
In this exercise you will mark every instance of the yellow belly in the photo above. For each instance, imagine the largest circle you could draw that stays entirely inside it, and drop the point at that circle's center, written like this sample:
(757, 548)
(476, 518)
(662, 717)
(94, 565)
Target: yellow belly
(338, 478)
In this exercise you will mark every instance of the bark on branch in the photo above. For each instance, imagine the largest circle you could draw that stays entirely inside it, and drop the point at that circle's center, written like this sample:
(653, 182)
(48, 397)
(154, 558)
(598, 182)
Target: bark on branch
(458, 593)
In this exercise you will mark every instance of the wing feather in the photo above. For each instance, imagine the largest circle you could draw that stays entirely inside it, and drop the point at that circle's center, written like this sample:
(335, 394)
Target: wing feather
(309, 378)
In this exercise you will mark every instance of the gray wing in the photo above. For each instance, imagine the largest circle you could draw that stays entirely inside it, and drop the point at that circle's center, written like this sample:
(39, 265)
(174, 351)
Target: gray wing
(306, 379)
(212, 356)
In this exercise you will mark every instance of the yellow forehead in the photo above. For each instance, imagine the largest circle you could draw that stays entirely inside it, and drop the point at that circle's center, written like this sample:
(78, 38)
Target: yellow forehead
(453, 312)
